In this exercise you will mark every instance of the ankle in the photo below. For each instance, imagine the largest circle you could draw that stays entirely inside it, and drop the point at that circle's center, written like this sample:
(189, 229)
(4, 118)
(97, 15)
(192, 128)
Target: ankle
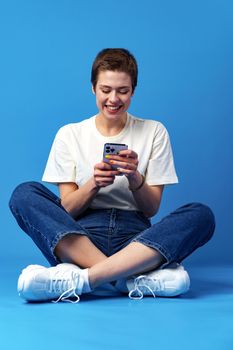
(92, 278)
(87, 288)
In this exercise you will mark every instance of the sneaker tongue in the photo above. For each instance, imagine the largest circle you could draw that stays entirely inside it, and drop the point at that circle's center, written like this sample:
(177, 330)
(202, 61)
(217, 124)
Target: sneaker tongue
(149, 284)
(56, 284)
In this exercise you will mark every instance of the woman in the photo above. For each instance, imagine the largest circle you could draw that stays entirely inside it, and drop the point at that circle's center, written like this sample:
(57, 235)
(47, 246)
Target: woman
(98, 233)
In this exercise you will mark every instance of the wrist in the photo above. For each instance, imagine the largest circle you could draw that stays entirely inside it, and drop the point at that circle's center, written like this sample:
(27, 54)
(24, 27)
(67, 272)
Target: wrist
(94, 186)
(137, 183)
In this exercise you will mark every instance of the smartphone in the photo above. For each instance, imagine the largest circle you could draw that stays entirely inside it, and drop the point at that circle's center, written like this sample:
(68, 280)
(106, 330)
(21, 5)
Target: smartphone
(113, 148)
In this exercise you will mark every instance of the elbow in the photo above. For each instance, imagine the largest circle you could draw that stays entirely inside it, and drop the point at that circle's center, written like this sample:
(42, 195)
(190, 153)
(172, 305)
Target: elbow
(68, 208)
(74, 212)
(150, 213)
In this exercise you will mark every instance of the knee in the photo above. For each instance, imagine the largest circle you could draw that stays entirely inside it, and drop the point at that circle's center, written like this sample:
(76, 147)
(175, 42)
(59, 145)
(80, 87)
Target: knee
(22, 192)
(204, 211)
(205, 217)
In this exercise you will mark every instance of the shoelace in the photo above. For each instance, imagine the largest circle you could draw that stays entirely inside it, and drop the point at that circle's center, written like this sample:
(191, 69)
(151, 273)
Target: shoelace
(58, 284)
(141, 283)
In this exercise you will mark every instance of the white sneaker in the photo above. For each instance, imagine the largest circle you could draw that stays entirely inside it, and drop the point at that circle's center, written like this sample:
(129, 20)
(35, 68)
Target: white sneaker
(171, 281)
(61, 282)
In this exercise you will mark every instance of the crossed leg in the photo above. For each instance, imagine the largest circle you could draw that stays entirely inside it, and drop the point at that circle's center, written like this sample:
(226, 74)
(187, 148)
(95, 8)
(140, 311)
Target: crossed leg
(133, 259)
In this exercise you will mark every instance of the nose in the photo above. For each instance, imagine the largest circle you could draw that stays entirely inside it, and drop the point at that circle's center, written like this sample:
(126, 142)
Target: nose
(113, 97)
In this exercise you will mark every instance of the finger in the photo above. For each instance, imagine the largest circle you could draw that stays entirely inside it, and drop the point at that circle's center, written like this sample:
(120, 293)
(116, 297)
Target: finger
(104, 181)
(124, 165)
(106, 173)
(107, 180)
(103, 166)
(124, 158)
(126, 172)
(129, 153)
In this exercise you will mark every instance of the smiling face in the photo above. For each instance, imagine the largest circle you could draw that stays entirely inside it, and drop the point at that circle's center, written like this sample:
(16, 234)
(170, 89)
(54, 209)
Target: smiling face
(113, 94)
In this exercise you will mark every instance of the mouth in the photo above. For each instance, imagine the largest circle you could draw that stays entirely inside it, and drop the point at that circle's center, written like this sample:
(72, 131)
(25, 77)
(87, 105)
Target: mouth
(113, 109)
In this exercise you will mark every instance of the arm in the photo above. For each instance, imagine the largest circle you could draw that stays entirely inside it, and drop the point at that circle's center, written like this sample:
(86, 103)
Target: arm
(76, 200)
(147, 197)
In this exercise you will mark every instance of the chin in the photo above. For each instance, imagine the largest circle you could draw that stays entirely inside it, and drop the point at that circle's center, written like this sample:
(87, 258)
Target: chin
(113, 116)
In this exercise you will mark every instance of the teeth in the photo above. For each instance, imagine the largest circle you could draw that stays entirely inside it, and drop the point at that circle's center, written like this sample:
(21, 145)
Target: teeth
(113, 108)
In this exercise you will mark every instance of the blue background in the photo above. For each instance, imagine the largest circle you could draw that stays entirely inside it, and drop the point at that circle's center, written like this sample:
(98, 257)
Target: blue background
(185, 53)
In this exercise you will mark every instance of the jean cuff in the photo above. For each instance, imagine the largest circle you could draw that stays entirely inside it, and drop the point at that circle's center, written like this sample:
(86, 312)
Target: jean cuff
(61, 235)
(157, 247)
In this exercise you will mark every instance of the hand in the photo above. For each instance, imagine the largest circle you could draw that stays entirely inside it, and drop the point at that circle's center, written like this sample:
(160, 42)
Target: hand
(104, 175)
(126, 162)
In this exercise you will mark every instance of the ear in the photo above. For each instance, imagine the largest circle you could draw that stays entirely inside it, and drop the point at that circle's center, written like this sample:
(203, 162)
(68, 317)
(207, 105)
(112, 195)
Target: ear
(132, 94)
(93, 90)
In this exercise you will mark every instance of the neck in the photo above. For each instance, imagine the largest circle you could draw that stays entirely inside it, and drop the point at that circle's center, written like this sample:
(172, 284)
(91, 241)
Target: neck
(110, 127)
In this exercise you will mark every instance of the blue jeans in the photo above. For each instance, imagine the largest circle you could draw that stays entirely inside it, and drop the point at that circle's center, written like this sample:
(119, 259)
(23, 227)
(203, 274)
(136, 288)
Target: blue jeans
(40, 214)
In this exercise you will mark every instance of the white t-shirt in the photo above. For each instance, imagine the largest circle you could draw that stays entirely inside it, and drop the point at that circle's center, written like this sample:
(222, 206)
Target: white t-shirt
(79, 146)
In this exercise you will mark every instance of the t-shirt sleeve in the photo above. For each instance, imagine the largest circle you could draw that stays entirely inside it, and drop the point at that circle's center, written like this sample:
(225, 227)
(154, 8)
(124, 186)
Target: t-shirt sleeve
(161, 169)
(60, 166)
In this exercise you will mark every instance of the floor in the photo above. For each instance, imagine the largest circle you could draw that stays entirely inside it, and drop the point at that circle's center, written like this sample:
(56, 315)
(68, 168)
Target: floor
(201, 319)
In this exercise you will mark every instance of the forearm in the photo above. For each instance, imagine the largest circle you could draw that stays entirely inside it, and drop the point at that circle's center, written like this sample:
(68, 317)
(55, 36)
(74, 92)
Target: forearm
(147, 197)
(146, 201)
(76, 200)
(79, 200)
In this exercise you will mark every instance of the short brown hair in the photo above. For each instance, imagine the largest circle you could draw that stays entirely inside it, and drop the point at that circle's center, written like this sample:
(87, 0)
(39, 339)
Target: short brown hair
(120, 60)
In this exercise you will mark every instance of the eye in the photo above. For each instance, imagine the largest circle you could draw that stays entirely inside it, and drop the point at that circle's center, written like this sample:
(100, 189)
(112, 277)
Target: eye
(105, 91)
(123, 92)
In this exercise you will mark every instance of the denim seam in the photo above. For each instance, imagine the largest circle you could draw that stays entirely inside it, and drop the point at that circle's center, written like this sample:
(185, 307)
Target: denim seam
(156, 246)
(111, 230)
